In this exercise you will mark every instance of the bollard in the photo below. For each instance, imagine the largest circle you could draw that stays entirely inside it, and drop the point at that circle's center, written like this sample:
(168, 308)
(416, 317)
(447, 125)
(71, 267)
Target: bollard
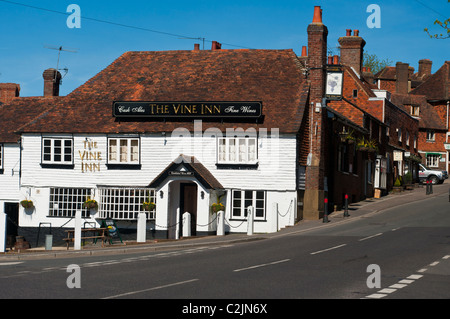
(77, 234)
(325, 214)
(186, 224)
(48, 242)
(427, 191)
(3, 232)
(141, 228)
(431, 187)
(346, 206)
(250, 210)
(220, 223)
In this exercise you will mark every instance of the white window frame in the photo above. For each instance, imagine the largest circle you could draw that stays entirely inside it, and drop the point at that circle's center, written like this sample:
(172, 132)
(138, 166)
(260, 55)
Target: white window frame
(431, 136)
(123, 150)
(50, 150)
(432, 160)
(64, 202)
(228, 153)
(124, 203)
(240, 200)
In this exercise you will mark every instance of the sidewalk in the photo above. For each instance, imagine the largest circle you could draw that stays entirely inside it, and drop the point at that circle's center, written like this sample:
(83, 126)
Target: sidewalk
(356, 210)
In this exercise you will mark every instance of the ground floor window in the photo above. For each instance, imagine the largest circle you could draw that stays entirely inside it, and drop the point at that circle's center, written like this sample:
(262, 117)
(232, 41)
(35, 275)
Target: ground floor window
(241, 199)
(64, 202)
(124, 203)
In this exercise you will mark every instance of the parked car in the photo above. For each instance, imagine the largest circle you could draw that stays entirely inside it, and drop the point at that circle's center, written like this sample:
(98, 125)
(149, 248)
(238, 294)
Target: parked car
(428, 174)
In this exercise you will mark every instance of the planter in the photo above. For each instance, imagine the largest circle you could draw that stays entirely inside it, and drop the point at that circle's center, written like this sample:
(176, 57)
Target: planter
(148, 206)
(217, 207)
(90, 204)
(27, 203)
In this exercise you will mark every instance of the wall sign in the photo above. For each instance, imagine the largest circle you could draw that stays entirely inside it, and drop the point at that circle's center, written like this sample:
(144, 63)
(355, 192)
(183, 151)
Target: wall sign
(334, 85)
(187, 109)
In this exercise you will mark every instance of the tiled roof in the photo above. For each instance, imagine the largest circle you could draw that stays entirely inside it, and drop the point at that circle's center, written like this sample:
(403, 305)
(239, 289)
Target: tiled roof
(273, 77)
(428, 117)
(436, 86)
(20, 111)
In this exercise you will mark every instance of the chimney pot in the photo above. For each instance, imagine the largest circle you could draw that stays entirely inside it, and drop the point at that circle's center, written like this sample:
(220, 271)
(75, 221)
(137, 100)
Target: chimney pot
(196, 47)
(304, 51)
(356, 33)
(317, 15)
(348, 32)
(330, 60)
(336, 59)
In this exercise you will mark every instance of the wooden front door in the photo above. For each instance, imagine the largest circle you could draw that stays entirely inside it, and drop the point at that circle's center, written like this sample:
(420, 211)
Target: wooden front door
(188, 203)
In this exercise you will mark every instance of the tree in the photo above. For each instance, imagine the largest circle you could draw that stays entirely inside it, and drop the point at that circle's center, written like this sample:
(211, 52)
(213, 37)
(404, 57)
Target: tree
(374, 63)
(444, 25)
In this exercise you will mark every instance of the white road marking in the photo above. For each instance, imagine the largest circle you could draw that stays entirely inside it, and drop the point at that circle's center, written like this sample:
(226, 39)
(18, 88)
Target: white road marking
(262, 265)
(422, 270)
(321, 251)
(398, 286)
(150, 289)
(406, 281)
(415, 277)
(11, 263)
(446, 257)
(387, 291)
(362, 239)
(435, 263)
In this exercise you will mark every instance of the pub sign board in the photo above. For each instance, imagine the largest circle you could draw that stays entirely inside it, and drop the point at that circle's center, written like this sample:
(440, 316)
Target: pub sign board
(147, 109)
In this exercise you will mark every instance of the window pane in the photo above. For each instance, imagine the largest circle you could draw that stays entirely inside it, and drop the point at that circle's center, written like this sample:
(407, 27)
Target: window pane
(113, 150)
(252, 150)
(242, 150)
(232, 150)
(222, 148)
(123, 151)
(135, 150)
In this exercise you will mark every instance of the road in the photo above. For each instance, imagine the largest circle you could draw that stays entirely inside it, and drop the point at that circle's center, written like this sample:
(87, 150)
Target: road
(410, 245)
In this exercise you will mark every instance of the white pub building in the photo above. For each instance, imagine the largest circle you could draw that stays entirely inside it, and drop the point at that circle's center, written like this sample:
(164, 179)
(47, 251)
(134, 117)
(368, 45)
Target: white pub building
(183, 130)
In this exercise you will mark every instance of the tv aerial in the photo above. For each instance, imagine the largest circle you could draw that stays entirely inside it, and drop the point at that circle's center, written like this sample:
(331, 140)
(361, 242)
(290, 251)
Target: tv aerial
(59, 49)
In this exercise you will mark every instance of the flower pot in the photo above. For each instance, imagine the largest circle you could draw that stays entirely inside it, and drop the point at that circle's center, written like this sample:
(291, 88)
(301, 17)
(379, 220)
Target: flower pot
(217, 208)
(27, 203)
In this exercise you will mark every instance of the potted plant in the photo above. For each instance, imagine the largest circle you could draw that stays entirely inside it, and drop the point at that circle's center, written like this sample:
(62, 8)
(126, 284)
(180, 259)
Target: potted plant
(27, 203)
(148, 206)
(372, 146)
(347, 136)
(90, 203)
(398, 185)
(361, 145)
(218, 206)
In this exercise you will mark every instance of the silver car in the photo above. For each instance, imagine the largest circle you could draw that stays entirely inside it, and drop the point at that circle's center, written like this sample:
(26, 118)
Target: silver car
(428, 174)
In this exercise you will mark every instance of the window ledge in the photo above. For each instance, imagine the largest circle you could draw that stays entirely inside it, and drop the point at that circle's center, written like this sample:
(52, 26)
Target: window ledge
(237, 166)
(57, 166)
(124, 166)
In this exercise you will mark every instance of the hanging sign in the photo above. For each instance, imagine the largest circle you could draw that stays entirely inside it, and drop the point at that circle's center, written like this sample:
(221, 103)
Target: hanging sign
(187, 109)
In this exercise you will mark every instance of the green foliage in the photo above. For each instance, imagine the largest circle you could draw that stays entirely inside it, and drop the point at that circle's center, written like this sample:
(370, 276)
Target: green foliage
(374, 63)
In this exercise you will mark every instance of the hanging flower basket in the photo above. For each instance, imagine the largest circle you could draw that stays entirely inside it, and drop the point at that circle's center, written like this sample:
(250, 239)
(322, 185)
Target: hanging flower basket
(90, 204)
(148, 206)
(217, 207)
(27, 203)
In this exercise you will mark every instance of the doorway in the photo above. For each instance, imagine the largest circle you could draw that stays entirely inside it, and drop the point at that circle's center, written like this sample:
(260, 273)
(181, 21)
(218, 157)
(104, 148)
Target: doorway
(188, 203)
(12, 222)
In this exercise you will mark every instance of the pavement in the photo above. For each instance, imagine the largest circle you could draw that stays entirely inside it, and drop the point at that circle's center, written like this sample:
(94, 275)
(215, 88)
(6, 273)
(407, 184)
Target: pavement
(356, 210)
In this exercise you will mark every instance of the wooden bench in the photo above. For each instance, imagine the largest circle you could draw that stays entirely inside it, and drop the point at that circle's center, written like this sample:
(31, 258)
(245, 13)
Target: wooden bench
(99, 233)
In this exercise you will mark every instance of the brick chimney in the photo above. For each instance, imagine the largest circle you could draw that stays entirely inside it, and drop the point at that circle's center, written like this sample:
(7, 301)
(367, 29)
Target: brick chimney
(425, 68)
(8, 91)
(52, 80)
(316, 171)
(216, 46)
(402, 78)
(352, 49)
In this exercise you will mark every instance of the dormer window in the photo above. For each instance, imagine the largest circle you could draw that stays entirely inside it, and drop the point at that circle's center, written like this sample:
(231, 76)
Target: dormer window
(415, 110)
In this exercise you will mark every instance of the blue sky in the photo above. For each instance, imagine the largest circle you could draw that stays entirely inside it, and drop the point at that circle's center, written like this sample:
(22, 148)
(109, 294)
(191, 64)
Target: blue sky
(262, 24)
